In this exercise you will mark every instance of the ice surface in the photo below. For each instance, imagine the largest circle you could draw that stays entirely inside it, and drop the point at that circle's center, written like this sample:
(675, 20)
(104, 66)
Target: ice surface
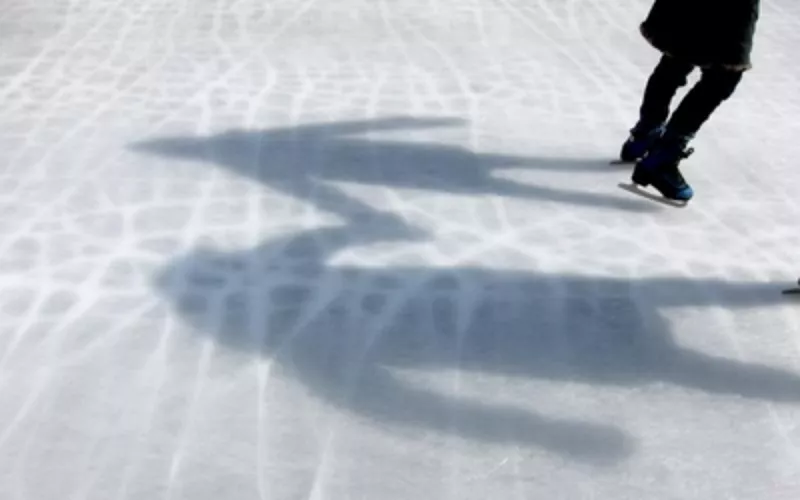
(372, 249)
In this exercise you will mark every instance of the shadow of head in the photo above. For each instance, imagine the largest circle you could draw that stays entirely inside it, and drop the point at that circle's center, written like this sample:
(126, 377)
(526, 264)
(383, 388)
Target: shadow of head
(350, 333)
(288, 158)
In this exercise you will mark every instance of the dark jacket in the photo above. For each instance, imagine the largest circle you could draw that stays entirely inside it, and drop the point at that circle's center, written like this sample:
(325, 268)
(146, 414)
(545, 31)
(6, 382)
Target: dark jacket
(704, 32)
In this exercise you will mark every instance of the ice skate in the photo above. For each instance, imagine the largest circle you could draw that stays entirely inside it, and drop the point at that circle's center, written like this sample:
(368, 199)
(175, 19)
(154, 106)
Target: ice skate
(660, 169)
(642, 139)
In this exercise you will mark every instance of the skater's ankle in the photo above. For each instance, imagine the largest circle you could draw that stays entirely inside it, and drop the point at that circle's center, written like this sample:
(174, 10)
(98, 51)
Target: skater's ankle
(676, 136)
(643, 127)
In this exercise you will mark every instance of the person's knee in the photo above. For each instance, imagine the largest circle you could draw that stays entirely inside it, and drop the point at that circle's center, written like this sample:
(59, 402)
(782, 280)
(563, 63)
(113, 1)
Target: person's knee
(674, 71)
(722, 83)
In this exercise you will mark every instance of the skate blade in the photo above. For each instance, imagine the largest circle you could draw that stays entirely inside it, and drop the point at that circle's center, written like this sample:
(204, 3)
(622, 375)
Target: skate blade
(637, 190)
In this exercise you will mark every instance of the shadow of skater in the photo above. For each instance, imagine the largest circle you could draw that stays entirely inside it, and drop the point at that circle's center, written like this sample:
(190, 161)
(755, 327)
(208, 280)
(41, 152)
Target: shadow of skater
(340, 332)
(343, 331)
(294, 159)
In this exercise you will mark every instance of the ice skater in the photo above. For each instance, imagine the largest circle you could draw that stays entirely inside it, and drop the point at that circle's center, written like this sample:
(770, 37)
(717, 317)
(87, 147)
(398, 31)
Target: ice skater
(717, 37)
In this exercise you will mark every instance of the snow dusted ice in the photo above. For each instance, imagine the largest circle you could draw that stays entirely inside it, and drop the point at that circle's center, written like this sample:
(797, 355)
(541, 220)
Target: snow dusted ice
(371, 249)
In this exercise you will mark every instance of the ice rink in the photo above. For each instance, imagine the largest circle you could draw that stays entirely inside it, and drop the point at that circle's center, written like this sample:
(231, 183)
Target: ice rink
(374, 249)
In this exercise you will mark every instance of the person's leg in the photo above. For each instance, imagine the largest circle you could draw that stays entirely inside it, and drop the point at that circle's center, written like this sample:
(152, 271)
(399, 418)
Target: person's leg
(715, 86)
(668, 76)
(660, 166)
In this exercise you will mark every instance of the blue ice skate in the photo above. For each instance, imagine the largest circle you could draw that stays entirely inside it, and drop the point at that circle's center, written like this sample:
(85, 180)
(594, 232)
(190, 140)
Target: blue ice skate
(643, 137)
(659, 168)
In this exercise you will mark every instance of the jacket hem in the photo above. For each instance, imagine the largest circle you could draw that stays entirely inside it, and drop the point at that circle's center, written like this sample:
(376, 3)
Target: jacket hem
(730, 67)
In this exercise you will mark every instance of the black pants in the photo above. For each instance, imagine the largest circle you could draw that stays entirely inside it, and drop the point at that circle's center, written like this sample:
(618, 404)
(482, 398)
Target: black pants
(715, 86)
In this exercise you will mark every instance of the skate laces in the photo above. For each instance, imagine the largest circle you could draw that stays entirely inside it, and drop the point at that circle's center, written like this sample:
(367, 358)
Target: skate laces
(675, 148)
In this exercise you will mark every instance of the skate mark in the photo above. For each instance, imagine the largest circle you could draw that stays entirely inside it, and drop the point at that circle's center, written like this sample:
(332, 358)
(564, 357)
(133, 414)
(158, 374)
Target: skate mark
(633, 188)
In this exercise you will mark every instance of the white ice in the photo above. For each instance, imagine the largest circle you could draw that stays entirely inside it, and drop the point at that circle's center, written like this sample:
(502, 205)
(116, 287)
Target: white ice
(373, 249)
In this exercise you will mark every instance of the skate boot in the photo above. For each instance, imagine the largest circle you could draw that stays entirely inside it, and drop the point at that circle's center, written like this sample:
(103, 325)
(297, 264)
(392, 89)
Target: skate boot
(659, 168)
(642, 138)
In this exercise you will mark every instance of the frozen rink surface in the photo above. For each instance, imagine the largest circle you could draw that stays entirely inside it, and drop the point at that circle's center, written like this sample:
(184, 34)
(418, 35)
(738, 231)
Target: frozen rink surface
(374, 249)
